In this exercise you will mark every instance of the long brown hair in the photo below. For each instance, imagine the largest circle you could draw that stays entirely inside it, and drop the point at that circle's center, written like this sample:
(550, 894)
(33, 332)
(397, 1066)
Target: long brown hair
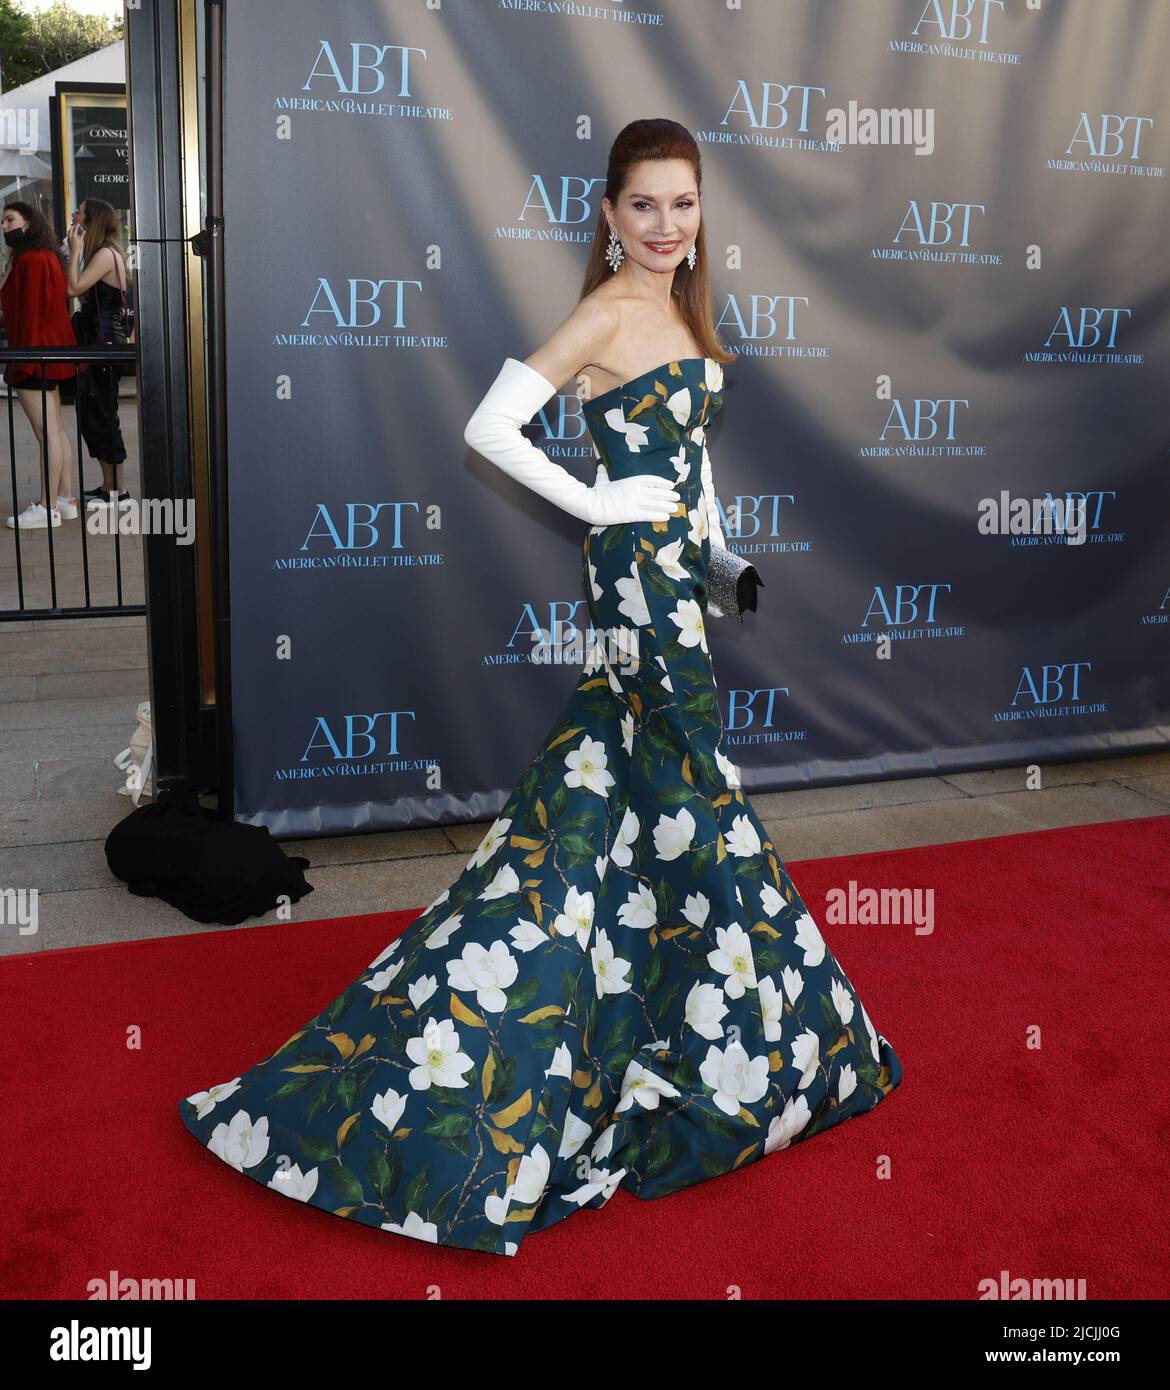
(38, 236)
(660, 138)
(102, 228)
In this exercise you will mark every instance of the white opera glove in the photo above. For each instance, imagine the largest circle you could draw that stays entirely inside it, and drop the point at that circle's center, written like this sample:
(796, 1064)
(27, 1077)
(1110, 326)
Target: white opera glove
(714, 526)
(515, 396)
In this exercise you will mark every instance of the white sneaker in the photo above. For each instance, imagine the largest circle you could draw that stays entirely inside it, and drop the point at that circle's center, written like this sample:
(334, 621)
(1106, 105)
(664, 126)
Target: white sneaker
(34, 517)
(67, 506)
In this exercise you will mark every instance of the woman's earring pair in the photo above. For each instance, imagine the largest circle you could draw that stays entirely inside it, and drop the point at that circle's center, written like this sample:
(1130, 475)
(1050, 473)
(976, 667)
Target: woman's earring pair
(615, 252)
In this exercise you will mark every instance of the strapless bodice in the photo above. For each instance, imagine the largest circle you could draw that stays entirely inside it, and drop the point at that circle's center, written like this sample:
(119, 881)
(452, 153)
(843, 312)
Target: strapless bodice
(656, 422)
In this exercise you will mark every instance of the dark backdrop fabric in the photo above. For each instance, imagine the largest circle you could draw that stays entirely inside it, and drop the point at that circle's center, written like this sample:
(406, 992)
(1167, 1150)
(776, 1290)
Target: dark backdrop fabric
(410, 193)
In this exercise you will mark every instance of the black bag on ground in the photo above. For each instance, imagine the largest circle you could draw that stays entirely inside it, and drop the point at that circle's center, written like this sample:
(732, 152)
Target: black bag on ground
(210, 869)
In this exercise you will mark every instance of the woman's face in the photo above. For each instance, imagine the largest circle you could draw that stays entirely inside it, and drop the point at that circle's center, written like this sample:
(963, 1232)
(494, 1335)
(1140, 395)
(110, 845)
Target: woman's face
(657, 214)
(12, 219)
(79, 217)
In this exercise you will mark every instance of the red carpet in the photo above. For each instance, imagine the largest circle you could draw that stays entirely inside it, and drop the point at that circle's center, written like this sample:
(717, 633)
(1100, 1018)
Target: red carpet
(1048, 1163)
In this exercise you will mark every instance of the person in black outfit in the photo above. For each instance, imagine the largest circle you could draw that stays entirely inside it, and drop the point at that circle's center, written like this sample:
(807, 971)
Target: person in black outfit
(101, 286)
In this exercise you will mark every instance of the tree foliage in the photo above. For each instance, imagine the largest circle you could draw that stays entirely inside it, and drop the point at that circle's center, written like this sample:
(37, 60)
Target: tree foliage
(34, 43)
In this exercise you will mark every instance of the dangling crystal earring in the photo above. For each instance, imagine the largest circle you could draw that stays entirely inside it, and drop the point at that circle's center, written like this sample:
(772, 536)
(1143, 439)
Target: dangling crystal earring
(692, 256)
(615, 252)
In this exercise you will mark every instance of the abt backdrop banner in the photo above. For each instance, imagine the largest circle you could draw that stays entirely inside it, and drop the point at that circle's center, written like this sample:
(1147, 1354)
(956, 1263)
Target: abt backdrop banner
(942, 338)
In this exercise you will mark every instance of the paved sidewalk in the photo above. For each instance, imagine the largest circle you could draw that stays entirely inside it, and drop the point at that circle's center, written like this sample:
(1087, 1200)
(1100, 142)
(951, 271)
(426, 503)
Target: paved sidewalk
(68, 695)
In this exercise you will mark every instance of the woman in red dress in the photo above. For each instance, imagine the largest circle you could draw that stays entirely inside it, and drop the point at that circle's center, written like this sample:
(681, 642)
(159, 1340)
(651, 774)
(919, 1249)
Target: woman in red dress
(36, 314)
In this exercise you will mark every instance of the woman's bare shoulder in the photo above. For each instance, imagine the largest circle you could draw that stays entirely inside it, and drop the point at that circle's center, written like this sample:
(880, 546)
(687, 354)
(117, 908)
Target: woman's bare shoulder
(106, 258)
(577, 341)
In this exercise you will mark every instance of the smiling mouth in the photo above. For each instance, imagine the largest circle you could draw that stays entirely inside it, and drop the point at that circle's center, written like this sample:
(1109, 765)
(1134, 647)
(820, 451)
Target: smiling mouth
(664, 247)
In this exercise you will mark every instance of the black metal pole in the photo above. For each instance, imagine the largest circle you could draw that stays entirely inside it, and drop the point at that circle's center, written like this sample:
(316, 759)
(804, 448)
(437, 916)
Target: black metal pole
(217, 410)
(183, 743)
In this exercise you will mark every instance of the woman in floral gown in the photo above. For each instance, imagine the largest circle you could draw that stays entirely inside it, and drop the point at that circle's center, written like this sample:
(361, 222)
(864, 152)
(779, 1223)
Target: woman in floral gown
(623, 987)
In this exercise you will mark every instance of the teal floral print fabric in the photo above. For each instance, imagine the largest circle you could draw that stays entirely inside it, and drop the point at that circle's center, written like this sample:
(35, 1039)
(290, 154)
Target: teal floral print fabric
(623, 987)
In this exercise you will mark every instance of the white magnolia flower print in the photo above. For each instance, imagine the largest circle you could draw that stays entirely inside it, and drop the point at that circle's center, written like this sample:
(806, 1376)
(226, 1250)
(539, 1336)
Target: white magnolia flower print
(744, 839)
(788, 1124)
(416, 1227)
(240, 1143)
(293, 1183)
(771, 1008)
(602, 1182)
(640, 909)
(729, 770)
(793, 983)
(681, 465)
(636, 435)
(206, 1101)
(713, 375)
(622, 853)
(869, 1028)
(495, 1207)
(503, 883)
(388, 1108)
(666, 557)
(846, 1083)
(527, 936)
(696, 908)
(610, 971)
(809, 939)
(627, 723)
(574, 1134)
(587, 767)
(381, 978)
(485, 972)
(806, 1057)
(688, 618)
(594, 651)
(562, 1062)
(420, 990)
(497, 834)
(673, 835)
(772, 900)
(733, 958)
(641, 1086)
(666, 685)
(594, 588)
(697, 516)
(602, 1145)
(842, 998)
(577, 917)
(532, 1176)
(437, 1058)
(633, 604)
(706, 1006)
(527, 1189)
(679, 404)
(442, 933)
(737, 1079)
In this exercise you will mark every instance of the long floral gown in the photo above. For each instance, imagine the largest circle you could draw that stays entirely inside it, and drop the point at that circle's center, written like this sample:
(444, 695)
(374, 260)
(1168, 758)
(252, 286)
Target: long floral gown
(623, 987)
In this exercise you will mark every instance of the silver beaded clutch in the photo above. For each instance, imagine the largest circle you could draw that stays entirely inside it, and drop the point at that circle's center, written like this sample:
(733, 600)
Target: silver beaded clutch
(731, 584)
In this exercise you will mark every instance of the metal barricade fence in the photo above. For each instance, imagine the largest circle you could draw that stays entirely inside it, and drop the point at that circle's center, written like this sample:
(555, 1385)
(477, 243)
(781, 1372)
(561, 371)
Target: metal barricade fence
(22, 577)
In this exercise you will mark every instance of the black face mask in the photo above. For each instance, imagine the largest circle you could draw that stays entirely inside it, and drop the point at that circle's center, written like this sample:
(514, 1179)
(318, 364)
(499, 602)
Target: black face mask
(15, 236)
